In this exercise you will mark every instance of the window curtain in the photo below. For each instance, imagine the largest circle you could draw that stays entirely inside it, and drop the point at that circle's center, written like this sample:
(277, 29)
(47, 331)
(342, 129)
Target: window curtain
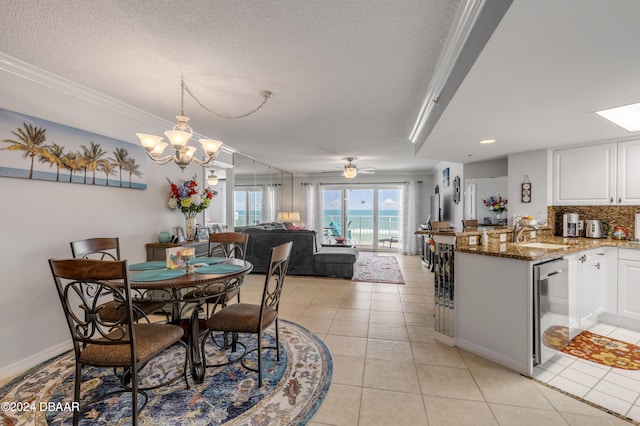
(313, 213)
(410, 217)
(269, 203)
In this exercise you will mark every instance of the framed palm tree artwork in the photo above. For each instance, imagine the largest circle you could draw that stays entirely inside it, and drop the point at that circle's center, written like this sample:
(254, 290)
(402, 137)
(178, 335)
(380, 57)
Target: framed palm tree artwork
(33, 148)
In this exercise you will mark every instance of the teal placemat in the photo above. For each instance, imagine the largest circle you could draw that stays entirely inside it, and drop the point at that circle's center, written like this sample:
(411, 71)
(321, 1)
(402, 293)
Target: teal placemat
(146, 266)
(157, 275)
(208, 260)
(220, 268)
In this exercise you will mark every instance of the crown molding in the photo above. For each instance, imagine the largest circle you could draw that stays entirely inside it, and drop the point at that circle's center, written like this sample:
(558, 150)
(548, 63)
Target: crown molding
(52, 81)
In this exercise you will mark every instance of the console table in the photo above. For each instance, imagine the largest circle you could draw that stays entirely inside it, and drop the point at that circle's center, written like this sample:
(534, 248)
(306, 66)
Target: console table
(157, 251)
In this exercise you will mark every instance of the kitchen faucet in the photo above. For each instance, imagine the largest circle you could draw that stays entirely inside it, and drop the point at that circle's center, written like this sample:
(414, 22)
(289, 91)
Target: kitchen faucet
(520, 226)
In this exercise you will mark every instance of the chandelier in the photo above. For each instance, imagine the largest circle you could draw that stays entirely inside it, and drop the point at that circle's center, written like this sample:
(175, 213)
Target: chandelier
(181, 133)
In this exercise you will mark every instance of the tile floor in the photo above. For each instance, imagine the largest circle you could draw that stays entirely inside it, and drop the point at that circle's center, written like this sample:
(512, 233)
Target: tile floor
(613, 388)
(389, 371)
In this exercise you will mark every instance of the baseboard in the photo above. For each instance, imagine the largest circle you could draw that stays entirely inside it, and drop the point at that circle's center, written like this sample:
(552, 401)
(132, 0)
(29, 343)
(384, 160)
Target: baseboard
(620, 321)
(494, 356)
(25, 364)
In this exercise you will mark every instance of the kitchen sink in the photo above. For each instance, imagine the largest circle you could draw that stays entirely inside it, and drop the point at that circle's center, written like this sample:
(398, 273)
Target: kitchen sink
(544, 246)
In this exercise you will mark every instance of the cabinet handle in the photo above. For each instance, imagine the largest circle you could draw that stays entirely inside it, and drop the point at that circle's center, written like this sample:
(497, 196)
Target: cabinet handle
(582, 258)
(611, 200)
(598, 265)
(619, 200)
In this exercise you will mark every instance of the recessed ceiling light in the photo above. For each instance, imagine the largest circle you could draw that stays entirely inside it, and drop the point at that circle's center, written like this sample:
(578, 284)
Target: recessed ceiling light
(627, 117)
(487, 141)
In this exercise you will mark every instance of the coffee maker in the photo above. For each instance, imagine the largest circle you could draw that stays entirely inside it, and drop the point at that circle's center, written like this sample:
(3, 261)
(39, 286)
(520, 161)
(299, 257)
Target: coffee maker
(570, 225)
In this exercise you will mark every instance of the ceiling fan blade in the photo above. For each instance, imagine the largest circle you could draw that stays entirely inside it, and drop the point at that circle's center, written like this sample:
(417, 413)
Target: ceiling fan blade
(366, 171)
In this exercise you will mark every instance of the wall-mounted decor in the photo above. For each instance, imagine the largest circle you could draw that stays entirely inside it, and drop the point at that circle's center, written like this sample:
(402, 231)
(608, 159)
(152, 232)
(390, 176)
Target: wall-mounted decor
(32, 148)
(445, 178)
(456, 189)
(525, 189)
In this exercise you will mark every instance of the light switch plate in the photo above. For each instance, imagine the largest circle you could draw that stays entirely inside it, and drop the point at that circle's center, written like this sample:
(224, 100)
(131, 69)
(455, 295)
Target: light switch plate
(580, 225)
(503, 238)
(532, 235)
(503, 247)
(473, 240)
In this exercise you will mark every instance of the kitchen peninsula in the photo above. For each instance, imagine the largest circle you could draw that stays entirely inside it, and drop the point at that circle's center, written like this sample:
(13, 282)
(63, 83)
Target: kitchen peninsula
(495, 299)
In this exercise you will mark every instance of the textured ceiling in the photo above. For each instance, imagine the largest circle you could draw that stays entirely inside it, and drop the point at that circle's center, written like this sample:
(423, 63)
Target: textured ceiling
(348, 76)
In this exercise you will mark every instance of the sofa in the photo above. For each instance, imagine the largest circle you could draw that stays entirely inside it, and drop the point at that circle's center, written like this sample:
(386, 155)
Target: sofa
(306, 258)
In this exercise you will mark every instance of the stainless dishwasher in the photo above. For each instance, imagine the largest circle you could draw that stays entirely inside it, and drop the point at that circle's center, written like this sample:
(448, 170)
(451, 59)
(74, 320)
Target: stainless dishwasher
(550, 308)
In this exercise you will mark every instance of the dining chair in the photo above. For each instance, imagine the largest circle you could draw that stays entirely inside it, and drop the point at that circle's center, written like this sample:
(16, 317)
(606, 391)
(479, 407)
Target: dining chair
(100, 341)
(253, 318)
(109, 249)
(231, 245)
(469, 225)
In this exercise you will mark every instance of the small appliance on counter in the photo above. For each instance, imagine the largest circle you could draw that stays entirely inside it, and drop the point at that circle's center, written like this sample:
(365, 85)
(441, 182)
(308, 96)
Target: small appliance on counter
(570, 225)
(596, 229)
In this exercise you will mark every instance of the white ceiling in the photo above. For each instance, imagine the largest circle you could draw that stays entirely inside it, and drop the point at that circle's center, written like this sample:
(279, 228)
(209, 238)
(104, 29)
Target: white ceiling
(548, 66)
(348, 76)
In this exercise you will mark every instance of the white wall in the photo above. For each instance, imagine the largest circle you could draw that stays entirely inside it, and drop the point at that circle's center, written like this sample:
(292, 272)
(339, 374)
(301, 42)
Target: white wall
(39, 218)
(534, 164)
(452, 212)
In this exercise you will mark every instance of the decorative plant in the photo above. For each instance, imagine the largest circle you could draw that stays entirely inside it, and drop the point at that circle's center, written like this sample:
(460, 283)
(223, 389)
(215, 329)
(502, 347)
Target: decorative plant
(496, 204)
(186, 197)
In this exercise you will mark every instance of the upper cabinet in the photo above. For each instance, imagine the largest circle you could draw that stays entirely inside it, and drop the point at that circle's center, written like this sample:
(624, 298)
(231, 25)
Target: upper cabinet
(597, 174)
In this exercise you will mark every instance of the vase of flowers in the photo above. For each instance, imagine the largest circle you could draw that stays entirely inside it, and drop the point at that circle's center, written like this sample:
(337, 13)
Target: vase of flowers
(186, 198)
(497, 205)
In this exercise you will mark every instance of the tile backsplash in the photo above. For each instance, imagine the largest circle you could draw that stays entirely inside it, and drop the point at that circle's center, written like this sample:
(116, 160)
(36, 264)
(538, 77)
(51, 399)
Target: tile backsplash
(615, 215)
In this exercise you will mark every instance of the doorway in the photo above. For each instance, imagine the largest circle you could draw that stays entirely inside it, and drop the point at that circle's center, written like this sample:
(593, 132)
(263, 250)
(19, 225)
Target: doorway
(367, 216)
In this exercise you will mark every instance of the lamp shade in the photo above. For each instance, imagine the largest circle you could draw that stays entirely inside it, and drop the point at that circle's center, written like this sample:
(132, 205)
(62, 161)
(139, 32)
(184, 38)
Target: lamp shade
(288, 216)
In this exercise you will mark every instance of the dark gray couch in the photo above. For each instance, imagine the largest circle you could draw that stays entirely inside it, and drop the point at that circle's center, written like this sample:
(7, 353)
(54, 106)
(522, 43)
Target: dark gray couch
(305, 258)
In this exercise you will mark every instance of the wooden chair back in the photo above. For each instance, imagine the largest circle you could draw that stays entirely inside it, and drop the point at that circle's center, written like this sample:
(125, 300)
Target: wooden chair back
(96, 248)
(228, 244)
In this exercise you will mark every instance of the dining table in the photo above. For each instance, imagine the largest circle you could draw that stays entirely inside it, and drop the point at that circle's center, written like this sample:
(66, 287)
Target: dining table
(186, 290)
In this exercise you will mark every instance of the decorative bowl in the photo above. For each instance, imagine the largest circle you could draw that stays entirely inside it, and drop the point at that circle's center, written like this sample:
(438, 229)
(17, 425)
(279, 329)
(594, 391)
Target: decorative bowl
(340, 240)
(164, 237)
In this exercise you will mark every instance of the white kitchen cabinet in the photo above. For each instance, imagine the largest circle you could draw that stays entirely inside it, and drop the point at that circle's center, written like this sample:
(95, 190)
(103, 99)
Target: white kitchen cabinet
(589, 276)
(585, 175)
(629, 283)
(628, 190)
(604, 174)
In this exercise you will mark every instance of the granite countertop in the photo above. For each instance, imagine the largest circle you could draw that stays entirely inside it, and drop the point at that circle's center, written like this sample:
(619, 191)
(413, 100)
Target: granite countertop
(518, 251)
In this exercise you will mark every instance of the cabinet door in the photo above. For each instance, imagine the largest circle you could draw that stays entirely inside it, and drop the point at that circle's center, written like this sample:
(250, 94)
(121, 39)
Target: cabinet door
(585, 175)
(592, 289)
(629, 173)
(629, 288)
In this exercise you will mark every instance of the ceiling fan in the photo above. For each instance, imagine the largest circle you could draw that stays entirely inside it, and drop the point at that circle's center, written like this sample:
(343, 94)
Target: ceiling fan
(350, 170)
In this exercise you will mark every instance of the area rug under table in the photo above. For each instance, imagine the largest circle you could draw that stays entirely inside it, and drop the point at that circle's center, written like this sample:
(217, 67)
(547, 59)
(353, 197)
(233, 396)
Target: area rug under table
(372, 268)
(292, 391)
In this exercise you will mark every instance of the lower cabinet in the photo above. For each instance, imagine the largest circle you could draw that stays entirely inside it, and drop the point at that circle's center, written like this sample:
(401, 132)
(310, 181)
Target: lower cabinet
(629, 283)
(589, 273)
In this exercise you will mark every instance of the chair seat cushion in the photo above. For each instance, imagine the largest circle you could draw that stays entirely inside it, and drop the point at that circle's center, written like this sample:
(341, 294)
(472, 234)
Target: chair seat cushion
(240, 318)
(114, 312)
(150, 340)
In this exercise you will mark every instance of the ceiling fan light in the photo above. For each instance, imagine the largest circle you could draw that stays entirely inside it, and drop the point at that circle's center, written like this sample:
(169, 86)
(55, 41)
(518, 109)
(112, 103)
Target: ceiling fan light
(350, 172)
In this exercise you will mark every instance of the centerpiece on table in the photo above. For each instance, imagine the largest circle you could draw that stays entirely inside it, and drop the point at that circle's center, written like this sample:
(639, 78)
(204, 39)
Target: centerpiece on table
(497, 205)
(186, 198)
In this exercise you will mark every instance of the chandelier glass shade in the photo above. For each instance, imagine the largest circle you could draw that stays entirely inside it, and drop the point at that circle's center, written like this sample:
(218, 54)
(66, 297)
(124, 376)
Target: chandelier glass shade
(212, 179)
(180, 135)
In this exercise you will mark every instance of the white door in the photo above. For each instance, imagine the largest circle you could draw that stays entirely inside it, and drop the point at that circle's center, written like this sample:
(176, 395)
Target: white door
(629, 173)
(585, 175)
(629, 288)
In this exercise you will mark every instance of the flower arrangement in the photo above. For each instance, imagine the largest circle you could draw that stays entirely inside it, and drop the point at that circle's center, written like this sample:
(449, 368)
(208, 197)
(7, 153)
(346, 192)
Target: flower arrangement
(186, 198)
(496, 204)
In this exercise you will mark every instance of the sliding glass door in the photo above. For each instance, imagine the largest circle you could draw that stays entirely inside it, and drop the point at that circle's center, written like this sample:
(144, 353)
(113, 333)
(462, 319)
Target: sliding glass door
(368, 216)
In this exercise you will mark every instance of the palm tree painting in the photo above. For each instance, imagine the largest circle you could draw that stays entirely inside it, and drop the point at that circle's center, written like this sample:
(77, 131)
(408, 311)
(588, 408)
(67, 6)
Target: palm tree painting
(32, 148)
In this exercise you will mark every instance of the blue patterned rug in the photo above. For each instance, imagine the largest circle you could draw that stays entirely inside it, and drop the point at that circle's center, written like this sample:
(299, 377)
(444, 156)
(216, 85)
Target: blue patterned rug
(292, 390)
